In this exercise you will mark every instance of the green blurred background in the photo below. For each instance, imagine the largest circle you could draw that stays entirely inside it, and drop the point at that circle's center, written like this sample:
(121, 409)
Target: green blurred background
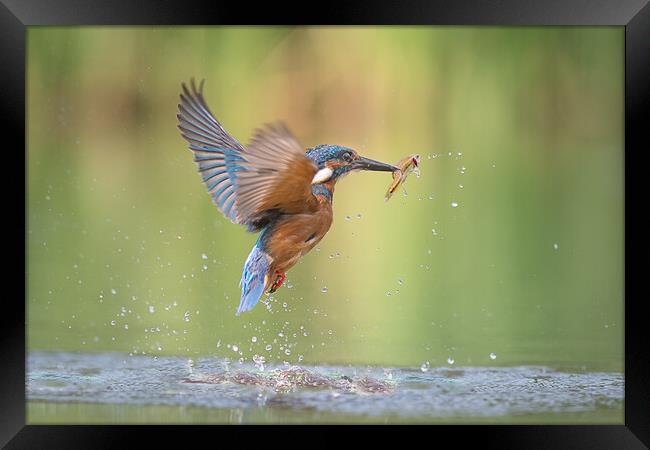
(522, 128)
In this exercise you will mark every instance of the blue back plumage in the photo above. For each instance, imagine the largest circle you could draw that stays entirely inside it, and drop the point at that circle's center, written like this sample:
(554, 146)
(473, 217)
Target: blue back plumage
(252, 278)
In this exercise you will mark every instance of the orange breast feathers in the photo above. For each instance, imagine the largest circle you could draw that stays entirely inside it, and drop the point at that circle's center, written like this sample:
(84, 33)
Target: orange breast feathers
(296, 235)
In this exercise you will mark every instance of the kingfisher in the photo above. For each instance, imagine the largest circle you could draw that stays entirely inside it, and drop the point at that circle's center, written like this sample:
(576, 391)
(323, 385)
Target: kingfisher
(272, 186)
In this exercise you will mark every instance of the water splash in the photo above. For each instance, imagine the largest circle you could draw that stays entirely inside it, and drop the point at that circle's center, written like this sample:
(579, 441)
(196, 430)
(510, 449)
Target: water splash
(343, 391)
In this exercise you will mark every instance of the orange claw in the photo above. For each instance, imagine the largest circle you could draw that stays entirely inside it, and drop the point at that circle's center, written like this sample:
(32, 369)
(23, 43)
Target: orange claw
(280, 277)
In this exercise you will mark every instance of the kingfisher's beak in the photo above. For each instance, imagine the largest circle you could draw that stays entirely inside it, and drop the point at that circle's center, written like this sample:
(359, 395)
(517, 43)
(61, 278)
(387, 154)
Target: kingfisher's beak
(370, 164)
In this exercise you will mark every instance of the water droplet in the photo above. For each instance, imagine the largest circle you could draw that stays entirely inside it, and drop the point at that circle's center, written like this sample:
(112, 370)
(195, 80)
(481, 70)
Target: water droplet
(493, 356)
(113, 291)
(268, 347)
(450, 360)
(388, 294)
(434, 232)
(204, 256)
(254, 339)
(152, 309)
(555, 246)
(186, 316)
(359, 216)
(259, 361)
(400, 281)
(287, 352)
(289, 285)
(425, 366)
(454, 204)
(113, 322)
(348, 217)
(235, 348)
(324, 290)
(126, 326)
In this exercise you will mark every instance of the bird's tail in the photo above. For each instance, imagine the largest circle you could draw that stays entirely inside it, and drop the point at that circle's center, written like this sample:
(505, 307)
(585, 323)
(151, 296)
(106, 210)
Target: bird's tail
(254, 279)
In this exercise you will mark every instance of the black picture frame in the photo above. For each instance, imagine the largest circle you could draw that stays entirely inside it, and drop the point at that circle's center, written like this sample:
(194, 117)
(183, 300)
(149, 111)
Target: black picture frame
(634, 15)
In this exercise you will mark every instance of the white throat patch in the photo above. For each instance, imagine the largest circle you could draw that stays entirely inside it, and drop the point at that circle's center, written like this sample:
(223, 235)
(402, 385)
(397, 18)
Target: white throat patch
(322, 176)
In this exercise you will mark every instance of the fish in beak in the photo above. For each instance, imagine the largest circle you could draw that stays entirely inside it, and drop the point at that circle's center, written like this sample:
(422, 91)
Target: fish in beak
(406, 165)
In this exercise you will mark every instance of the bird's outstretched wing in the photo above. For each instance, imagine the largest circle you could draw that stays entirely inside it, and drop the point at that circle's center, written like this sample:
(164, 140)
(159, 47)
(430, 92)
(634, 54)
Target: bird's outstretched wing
(278, 175)
(248, 185)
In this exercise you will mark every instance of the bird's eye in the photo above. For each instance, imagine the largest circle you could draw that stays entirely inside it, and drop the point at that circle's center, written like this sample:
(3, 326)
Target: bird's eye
(347, 156)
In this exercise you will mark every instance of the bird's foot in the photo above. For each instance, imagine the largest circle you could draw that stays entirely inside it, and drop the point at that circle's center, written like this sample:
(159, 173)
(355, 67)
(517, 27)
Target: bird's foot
(279, 279)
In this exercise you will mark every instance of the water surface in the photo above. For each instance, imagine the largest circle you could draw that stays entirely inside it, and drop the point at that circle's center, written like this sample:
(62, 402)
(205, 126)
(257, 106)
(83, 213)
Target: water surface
(115, 387)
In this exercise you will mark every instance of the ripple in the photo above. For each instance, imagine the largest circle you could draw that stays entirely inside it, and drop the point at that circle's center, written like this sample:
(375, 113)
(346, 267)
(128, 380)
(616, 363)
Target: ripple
(438, 392)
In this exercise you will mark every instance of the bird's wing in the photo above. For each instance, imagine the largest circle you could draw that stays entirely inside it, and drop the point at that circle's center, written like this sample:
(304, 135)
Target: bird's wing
(278, 175)
(271, 176)
(215, 151)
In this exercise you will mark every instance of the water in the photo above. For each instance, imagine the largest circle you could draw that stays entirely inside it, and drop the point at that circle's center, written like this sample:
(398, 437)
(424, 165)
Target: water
(115, 387)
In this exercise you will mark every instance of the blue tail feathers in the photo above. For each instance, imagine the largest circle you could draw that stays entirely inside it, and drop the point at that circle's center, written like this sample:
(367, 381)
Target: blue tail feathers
(252, 279)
